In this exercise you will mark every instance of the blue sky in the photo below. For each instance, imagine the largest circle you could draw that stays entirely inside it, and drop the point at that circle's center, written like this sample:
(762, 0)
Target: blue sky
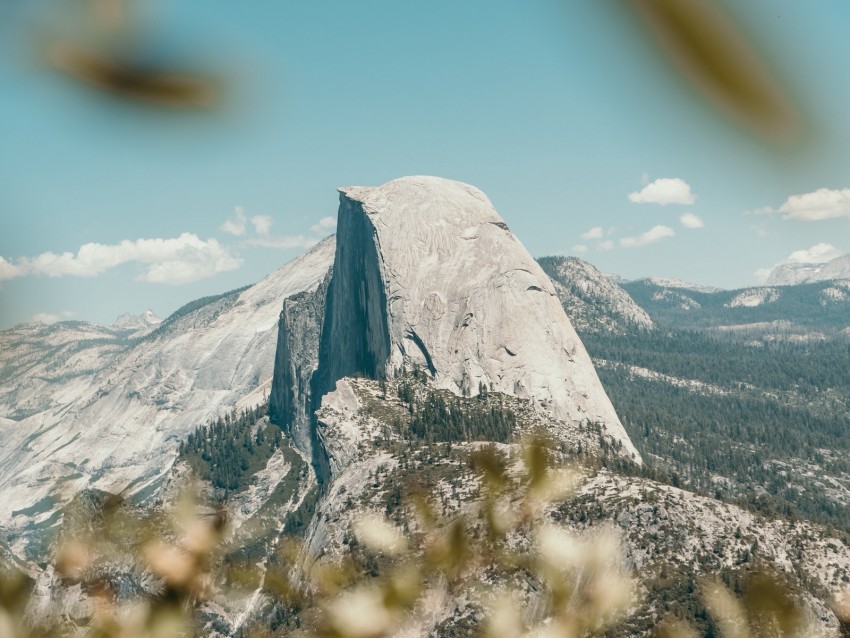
(558, 110)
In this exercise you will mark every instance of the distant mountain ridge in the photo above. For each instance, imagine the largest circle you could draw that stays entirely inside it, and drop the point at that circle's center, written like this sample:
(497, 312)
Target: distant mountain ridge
(817, 310)
(667, 282)
(593, 301)
(126, 321)
(800, 273)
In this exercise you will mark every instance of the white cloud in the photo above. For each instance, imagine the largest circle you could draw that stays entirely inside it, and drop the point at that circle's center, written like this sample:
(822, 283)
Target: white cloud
(666, 190)
(578, 249)
(654, 234)
(177, 260)
(238, 224)
(235, 226)
(322, 228)
(325, 226)
(9, 270)
(689, 220)
(760, 229)
(821, 204)
(262, 224)
(597, 232)
(817, 254)
(605, 245)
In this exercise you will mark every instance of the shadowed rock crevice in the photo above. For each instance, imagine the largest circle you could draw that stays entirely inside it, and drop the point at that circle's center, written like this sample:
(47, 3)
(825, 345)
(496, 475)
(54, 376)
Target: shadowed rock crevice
(296, 360)
(355, 340)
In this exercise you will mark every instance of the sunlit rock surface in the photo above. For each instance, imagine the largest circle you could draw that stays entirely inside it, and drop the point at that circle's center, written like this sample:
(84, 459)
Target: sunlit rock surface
(427, 274)
(113, 422)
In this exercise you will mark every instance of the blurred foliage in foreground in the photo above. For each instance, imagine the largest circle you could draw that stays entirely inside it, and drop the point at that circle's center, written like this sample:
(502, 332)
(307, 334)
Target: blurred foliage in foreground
(390, 579)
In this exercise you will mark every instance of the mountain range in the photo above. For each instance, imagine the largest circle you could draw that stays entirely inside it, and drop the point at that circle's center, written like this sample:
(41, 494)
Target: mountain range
(799, 273)
(422, 331)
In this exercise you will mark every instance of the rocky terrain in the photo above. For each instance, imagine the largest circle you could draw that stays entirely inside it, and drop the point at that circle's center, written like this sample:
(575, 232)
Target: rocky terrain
(800, 273)
(593, 301)
(390, 356)
(84, 407)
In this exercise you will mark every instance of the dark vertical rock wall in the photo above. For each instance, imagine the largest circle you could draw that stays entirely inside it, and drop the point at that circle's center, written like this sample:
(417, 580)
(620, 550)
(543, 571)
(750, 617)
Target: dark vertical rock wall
(336, 331)
(355, 337)
(296, 360)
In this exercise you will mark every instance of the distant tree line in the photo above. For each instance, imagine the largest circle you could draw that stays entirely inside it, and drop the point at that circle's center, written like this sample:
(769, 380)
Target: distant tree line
(805, 368)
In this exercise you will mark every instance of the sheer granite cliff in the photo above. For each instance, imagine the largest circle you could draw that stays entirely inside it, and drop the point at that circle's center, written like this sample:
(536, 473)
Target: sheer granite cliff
(296, 360)
(427, 274)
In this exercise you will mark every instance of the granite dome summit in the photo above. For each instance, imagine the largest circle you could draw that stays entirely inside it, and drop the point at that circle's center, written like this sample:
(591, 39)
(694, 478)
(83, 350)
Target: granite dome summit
(427, 274)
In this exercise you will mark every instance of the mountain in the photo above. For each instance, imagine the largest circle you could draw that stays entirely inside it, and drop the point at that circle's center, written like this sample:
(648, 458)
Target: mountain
(407, 362)
(593, 301)
(147, 319)
(85, 410)
(798, 273)
(666, 282)
(428, 276)
(806, 311)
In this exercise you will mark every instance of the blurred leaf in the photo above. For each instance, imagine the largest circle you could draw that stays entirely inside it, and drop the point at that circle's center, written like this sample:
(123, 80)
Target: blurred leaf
(717, 59)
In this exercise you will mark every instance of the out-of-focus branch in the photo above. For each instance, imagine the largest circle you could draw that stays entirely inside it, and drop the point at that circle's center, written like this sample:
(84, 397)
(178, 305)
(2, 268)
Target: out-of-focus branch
(710, 51)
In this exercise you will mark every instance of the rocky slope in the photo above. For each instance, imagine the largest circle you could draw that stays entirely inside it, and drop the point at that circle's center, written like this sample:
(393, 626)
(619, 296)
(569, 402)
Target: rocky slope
(800, 273)
(672, 538)
(593, 301)
(112, 418)
(42, 366)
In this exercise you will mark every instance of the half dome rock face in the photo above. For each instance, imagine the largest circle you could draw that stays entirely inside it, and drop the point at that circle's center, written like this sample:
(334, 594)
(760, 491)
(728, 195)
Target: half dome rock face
(428, 274)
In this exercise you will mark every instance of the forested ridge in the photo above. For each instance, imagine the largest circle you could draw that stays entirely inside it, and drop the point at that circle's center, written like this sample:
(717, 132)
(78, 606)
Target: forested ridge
(232, 448)
(807, 368)
(805, 305)
(775, 435)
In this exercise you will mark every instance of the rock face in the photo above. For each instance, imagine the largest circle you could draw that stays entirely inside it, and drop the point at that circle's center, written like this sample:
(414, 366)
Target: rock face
(111, 416)
(593, 301)
(797, 273)
(296, 360)
(427, 274)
